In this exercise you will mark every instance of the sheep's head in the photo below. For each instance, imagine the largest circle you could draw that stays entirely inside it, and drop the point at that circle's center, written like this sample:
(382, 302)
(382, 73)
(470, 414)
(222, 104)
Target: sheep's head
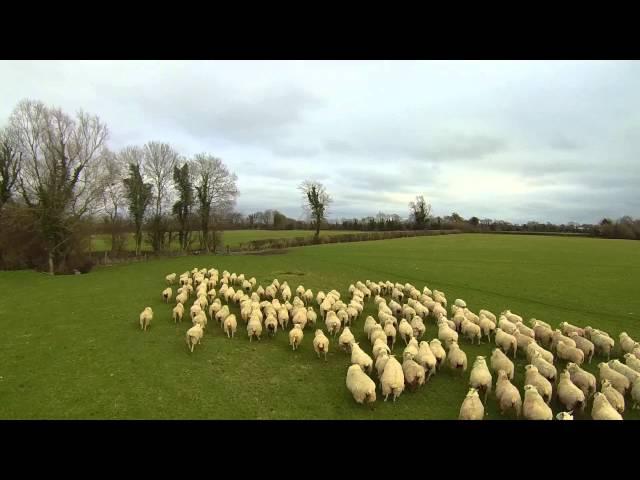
(564, 416)
(530, 389)
(472, 392)
(602, 365)
(565, 375)
(531, 368)
(502, 375)
(436, 341)
(499, 330)
(606, 383)
(627, 356)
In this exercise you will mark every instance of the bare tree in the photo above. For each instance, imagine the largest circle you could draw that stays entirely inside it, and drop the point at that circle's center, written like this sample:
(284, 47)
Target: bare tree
(216, 191)
(114, 197)
(420, 211)
(159, 160)
(10, 163)
(316, 202)
(60, 177)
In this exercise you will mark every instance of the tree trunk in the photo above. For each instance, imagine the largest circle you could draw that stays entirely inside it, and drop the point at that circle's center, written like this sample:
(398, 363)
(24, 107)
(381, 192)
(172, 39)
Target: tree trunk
(51, 266)
(317, 228)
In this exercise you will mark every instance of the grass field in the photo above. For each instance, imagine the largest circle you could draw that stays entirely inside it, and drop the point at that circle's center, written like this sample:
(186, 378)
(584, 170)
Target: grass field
(72, 348)
(233, 238)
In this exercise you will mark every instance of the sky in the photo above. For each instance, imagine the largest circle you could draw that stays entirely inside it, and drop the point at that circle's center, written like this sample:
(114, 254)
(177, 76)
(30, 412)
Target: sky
(519, 141)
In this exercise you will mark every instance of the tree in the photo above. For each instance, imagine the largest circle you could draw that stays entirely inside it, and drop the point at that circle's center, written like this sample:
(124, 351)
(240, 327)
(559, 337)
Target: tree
(59, 179)
(316, 202)
(216, 191)
(159, 161)
(10, 163)
(114, 197)
(139, 196)
(474, 221)
(182, 208)
(420, 211)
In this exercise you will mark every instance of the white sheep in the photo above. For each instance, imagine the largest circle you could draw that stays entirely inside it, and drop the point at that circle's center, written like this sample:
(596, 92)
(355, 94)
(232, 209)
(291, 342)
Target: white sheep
(222, 314)
(507, 394)
(480, 377)
(534, 407)
(332, 322)
(230, 326)
(499, 361)
(381, 361)
(392, 379)
(178, 312)
(569, 353)
(446, 334)
(471, 331)
(360, 385)
(506, 326)
(632, 361)
(487, 326)
(534, 347)
(546, 369)
(414, 374)
(533, 377)
(271, 324)
(471, 408)
(254, 328)
(378, 348)
(194, 336)
(456, 358)
(602, 409)
(567, 329)
(321, 343)
(627, 344)
(584, 380)
(505, 341)
(438, 351)
(625, 370)
(418, 327)
(390, 332)
(512, 317)
(295, 336)
(487, 314)
(564, 416)
(300, 317)
(569, 394)
(345, 340)
(559, 337)
(523, 341)
(602, 341)
(376, 333)
(167, 293)
(411, 350)
(200, 319)
(170, 279)
(361, 358)
(524, 330)
(618, 380)
(427, 359)
(145, 318)
(543, 334)
(587, 346)
(635, 395)
(615, 397)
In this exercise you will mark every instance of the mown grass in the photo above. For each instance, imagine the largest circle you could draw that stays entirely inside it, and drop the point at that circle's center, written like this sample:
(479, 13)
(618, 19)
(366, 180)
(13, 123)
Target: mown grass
(71, 345)
(233, 238)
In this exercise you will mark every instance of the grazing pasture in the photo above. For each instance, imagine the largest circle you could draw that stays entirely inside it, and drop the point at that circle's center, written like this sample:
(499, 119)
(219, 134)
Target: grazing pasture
(72, 347)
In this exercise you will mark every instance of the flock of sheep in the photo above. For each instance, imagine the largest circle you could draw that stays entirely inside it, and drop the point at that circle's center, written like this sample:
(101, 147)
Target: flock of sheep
(262, 311)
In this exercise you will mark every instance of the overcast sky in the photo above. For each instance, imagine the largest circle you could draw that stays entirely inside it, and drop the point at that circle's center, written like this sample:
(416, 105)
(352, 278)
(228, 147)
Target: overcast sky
(515, 140)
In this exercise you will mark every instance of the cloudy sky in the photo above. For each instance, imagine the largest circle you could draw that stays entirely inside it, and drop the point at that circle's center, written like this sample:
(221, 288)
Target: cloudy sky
(516, 140)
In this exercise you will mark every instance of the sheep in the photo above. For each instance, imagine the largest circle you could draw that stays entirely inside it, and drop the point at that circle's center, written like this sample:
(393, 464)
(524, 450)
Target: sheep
(507, 394)
(446, 334)
(427, 359)
(587, 347)
(321, 343)
(345, 339)
(602, 342)
(543, 335)
(300, 318)
(360, 357)
(230, 326)
(295, 336)
(145, 318)
(377, 332)
(182, 298)
(222, 314)
(471, 331)
(615, 398)
(635, 395)
(636, 352)
(414, 374)
(534, 407)
(499, 361)
(203, 302)
(411, 350)
(524, 330)
(627, 344)
(378, 348)
(418, 327)
(471, 408)
(533, 377)
(456, 358)
(194, 336)
(602, 409)
(381, 362)
(505, 341)
(564, 416)
(546, 369)
(178, 312)
(584, 380)
(487, 314)
(438, 351)
(170, 279)
(195, 310)
(558, 337)
(569, 394)
(487, 326)
(632, 361)
(438, 311)
(332, 323)
(472, 317)
(390, 332)
(343, 316)
(271, 324)
(506, 326)
(567, 329)
(392, 379)
(618, 380)
(534, 347)
(569, 353)
(211, 294)
(523, 341)
(408, 313)
(512, 317)
(215, 307)
(360, 385)
(625, 370)
(254, 328)
(480, 377)
(167, 293)
(368, 324)
(200, 319)
(283, 317)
